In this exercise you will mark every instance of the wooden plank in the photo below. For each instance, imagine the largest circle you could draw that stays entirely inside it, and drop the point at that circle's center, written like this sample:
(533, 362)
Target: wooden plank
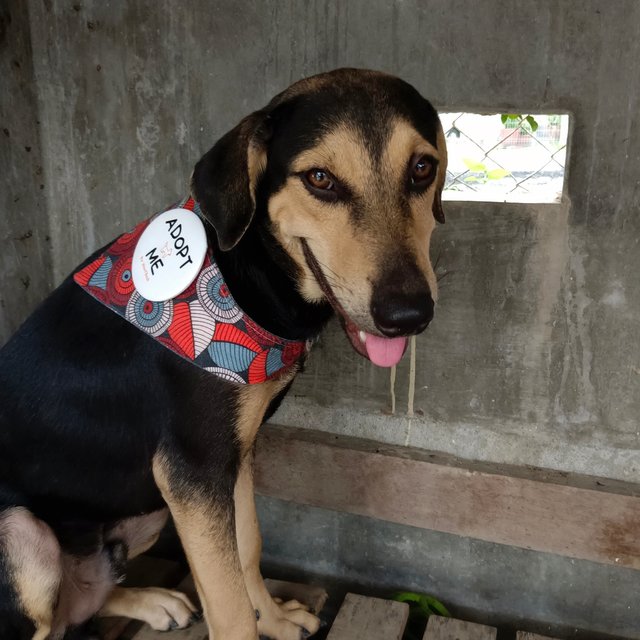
(197, 631)
(525, 635)
(371, 618)
(439, 628)
(319, 470)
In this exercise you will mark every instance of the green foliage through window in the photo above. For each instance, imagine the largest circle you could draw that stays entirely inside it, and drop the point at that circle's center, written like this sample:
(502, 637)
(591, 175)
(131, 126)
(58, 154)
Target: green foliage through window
(517, 120)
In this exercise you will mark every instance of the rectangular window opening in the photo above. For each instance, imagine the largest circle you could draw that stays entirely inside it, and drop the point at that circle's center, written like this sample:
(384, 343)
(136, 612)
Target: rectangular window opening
(505, 157)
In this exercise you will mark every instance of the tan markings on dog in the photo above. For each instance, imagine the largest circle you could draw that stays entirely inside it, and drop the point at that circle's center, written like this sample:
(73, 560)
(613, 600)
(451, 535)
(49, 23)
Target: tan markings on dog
(420, 241)
(157, 607)
(340, 251)
(85, 587)
(247, 532)
(208, 537)
(406, 143)
(139, 533)
(253, 402)
(256, 164)
(328, 228)
(438, 212)
(350, 245)
(341, 151)
(277, 620)
(33, 556)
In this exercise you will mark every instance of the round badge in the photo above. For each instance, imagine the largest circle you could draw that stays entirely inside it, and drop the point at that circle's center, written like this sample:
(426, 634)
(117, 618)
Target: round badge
(169, 255)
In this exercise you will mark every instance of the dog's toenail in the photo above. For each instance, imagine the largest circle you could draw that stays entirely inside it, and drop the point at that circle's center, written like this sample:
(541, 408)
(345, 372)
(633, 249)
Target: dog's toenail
(305, 633)
(257, 614)
(173, 625)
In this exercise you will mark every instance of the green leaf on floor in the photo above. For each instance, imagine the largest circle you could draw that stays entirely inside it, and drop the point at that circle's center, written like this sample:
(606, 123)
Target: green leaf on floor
(421, 606)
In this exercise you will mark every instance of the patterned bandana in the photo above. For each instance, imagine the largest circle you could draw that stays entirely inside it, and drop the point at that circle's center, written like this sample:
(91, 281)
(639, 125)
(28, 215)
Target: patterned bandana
(203, 324)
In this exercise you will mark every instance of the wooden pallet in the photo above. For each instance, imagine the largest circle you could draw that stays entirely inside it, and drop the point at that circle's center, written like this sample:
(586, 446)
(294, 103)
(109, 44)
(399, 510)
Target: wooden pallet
(359, 616)
(376, 619)
(145, 571)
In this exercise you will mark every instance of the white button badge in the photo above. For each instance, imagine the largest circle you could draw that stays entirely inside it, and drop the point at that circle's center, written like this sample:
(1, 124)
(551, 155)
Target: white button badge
(169, 255)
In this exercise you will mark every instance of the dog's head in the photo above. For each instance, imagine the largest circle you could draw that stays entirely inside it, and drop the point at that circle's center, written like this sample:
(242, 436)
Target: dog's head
(347, 167)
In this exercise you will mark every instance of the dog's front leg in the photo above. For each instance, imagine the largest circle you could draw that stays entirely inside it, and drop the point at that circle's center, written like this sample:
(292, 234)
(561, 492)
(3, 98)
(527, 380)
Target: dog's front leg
(203, 512)
(279, 620)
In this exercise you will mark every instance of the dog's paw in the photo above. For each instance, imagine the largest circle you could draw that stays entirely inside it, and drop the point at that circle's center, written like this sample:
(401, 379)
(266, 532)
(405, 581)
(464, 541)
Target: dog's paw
(289, 620)
(164, 609)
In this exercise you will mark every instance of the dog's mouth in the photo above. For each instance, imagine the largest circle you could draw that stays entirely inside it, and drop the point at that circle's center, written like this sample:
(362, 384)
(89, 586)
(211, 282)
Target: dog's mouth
(383, 352)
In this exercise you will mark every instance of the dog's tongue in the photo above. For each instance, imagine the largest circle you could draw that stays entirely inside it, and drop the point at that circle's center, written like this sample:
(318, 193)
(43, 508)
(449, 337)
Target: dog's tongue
(385, 352)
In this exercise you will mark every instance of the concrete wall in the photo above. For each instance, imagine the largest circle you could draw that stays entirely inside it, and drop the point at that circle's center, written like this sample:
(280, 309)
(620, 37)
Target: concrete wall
(534, 356)
(25, 253)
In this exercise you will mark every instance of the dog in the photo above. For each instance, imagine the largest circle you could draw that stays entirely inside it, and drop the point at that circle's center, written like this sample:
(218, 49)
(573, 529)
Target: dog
(322, 203)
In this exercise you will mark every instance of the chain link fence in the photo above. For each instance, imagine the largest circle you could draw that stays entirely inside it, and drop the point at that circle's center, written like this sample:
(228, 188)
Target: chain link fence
(505, 157)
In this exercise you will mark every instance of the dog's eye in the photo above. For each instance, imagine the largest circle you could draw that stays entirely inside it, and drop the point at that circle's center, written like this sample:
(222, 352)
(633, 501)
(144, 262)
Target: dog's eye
(319, 179)
(322, 185)
(422, 172)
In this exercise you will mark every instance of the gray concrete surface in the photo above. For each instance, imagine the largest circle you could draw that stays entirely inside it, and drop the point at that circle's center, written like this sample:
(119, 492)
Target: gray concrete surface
(484, 582)
(534, 356)
(25, 252)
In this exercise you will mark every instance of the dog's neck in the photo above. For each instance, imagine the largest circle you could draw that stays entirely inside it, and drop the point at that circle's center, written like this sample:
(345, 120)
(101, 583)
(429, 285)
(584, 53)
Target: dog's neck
(259, 275)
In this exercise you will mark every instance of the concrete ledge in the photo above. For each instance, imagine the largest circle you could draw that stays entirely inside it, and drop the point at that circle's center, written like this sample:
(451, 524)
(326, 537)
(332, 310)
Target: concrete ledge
(496, 441)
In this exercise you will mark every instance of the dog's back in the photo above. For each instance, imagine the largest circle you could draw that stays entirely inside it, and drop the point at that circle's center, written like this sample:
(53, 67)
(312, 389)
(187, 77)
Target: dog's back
(68, 382)
(82, 403)
(322, 202)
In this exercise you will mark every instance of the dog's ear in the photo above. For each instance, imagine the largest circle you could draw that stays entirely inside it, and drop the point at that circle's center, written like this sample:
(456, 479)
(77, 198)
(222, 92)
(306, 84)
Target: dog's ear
(438, 212)
(225, 179)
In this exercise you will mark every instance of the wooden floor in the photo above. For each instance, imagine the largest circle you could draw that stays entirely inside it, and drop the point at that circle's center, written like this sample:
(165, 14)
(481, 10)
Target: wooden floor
(359, 617)
(377, 619)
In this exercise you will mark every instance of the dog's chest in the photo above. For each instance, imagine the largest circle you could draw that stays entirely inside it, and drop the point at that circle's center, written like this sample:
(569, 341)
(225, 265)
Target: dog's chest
(252, 405)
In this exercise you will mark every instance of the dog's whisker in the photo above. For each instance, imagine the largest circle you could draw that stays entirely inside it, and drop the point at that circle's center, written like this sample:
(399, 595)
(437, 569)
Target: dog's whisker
(331, 275)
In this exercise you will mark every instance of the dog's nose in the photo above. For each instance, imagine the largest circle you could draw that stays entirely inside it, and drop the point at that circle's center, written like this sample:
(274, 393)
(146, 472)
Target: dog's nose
(402, 313)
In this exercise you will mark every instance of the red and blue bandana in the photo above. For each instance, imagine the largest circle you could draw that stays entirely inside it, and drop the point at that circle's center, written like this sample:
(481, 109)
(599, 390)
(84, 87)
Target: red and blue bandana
(203, 324)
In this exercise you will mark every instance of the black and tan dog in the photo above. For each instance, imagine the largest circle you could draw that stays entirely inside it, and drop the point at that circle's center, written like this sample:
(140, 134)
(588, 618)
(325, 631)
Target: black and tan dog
(322, 202)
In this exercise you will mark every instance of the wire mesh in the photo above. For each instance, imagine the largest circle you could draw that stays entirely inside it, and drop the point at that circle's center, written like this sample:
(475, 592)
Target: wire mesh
(506, 157)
